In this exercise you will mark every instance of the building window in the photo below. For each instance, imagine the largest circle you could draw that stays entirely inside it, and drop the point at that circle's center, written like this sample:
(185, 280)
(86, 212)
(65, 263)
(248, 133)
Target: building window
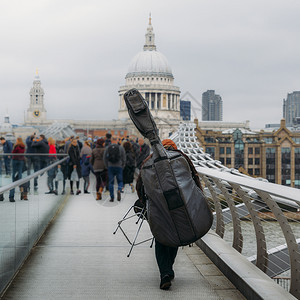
(222, 160)
(221, 151)
(257, 161)
(270, 164)
(257, 171)
(286, 166)
(228, 161)
(268, 140)
(228, 150)
(250, 150)
(257, 150)
(211, 151)
(250, 171)
(250, 161)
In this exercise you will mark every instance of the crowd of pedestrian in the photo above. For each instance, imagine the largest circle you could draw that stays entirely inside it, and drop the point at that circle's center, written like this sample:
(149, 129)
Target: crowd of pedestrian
(106, 157)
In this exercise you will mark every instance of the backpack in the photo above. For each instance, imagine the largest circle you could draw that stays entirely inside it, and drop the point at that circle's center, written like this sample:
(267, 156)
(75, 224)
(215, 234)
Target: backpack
(177, 210)
(113, 153)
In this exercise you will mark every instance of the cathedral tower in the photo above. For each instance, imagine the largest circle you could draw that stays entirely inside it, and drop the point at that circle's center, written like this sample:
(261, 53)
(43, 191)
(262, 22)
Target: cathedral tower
(150, 73)
(36, 113)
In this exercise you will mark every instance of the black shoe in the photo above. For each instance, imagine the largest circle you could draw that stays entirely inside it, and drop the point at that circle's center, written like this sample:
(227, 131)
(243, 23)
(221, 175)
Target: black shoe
(111, 200)
(172, 276)
(1, 197)
(55, 192)
(63, 192)
(11, 199)
(50, 192)
(86, 192)
(165, 282)
(119, 196)
(78, 192)
(72, 193)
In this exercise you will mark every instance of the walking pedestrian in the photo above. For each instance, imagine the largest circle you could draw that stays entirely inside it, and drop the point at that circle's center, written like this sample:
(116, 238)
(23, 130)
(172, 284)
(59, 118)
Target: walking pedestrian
(31, 160)
(63, 168)
(41, 147)
(128, 172)
(7, 148)
(100, 171)
(52, 172)
(17, 168)
(74, 163)
(114, 160)
(144, 152)
(165, 255)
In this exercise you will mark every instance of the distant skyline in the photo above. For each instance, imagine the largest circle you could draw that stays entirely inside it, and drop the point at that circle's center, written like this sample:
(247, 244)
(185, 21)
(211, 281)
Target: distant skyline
(247, 51)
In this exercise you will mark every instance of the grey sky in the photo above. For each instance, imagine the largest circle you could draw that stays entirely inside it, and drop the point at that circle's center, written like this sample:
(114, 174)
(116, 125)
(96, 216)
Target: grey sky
(248, 51)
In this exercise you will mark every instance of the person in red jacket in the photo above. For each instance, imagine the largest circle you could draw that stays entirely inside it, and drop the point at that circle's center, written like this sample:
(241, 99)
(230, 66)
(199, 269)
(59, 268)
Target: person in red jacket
(52, 172)
(18, 162)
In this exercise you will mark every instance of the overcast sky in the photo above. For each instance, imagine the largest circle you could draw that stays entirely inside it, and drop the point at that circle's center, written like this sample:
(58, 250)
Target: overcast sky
(247, 51)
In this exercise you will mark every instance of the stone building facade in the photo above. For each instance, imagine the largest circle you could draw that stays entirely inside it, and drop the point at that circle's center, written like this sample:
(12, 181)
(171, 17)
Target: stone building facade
(150, 73)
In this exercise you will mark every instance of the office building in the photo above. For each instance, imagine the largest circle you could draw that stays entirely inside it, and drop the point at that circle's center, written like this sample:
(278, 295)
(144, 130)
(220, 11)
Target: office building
(212, 106)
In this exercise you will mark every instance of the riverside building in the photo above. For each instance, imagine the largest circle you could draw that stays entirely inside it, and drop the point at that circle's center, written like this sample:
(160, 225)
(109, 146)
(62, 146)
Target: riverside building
(274, 156)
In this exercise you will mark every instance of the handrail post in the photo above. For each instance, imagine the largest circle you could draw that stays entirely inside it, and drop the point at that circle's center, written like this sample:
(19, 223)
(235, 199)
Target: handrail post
(262, 254)
(290, 239)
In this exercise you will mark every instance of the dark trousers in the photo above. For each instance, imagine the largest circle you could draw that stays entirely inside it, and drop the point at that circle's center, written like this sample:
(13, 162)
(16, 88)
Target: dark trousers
(165, 257)
(101, 179)
(112, 172)
(7, 163)
(86, 182)
(17, 170)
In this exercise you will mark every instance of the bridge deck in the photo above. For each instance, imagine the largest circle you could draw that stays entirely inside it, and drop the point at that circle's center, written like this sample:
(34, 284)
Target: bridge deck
(80, 258)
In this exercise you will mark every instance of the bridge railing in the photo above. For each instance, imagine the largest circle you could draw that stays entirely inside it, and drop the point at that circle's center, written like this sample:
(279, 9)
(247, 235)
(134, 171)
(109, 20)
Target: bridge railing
(260, 219)
(23, 222)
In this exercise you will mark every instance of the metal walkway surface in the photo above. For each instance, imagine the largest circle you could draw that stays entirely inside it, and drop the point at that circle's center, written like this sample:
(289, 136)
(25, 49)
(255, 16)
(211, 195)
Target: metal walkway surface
(80, 258)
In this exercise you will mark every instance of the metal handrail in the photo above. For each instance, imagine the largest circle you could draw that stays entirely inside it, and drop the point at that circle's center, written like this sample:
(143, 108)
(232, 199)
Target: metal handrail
(33, 154)
(249, 191)
(29, 177)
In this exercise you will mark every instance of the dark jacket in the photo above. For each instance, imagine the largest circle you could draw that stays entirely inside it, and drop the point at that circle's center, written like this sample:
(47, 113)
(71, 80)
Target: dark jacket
(41, 146)
(128, 171)
(143, 154)
(97, 159)
(29, 142)
(74, 155)
(86, 166)
(74, 159)
(122, 161)
(18, 149)
(7, 147)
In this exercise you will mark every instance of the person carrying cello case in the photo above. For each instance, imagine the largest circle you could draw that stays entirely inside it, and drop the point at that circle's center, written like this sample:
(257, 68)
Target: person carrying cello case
(177, 210)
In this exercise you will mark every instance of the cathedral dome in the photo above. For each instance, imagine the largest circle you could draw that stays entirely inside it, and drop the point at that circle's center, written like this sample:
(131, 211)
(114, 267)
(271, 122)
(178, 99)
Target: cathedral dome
(149, 63)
